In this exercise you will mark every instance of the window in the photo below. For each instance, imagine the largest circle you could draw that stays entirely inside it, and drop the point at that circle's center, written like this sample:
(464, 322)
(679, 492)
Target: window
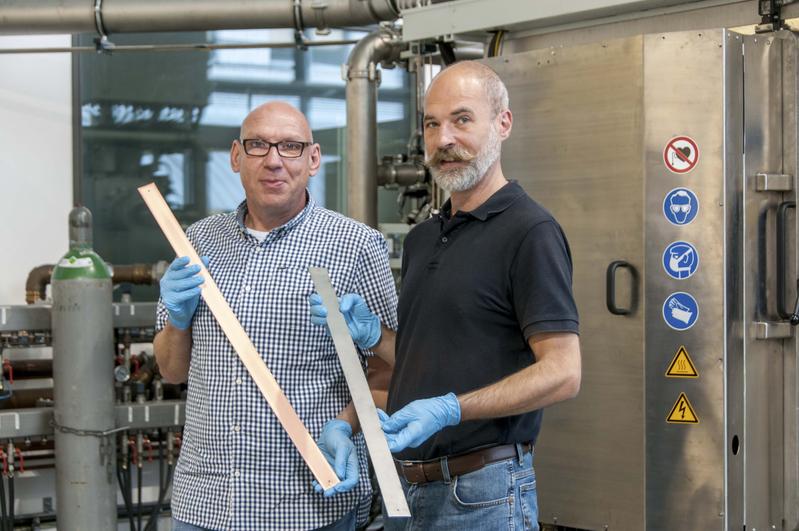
(170, 117)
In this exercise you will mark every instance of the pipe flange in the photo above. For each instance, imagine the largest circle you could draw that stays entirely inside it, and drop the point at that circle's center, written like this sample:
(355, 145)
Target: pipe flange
(101, 43)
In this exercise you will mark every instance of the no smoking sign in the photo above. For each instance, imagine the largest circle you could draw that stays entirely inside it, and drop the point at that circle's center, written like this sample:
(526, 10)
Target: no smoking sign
(681, 154)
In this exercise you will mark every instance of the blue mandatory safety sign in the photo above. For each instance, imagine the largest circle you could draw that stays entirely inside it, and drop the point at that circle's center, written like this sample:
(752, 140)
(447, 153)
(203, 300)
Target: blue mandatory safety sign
(680, 206)
(680, 260)
(680, 311)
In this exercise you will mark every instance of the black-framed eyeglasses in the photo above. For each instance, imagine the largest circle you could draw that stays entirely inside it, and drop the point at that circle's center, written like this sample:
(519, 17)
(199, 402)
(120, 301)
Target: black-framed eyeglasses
(288, 149)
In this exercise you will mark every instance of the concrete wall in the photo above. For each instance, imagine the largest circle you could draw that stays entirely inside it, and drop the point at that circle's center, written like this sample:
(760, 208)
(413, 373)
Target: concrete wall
(35, 159)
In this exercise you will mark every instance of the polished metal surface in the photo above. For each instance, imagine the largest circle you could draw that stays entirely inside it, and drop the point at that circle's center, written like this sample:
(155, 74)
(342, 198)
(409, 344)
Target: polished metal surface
(763, 359)
(733, 275)
(591, 130)
(36, 317)
(773, 182)
(479, 15)
(767, 330)
(790, 137)
(685, 462)
(383, 464)
(31, 317)
(126, 16)
(36, 422)
(576, 147)
(362, 77)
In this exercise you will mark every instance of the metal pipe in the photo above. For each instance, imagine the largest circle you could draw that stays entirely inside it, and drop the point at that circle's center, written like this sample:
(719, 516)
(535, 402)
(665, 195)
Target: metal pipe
(36, 284)
(128, 16)
(200, 46)
(362, 77)
(400, 173)
(39, 277)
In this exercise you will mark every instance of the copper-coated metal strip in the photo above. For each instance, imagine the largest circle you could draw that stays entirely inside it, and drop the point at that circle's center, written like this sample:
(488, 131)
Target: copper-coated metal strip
(269, 387)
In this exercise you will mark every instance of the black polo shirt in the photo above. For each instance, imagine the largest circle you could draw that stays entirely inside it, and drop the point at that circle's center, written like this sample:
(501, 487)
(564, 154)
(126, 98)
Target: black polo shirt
(475, 287)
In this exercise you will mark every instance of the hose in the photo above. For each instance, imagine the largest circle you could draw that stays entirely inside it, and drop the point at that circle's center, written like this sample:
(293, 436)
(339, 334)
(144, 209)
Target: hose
(138, 486)
(11, 502)
(125, 497)
(3, 510)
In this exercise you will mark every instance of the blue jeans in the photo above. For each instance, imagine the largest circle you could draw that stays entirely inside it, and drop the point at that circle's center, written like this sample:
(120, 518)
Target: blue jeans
(347, 523)
(499, 496)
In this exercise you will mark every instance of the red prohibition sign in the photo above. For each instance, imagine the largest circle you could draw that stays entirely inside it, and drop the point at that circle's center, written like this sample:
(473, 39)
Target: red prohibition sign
(681, 154)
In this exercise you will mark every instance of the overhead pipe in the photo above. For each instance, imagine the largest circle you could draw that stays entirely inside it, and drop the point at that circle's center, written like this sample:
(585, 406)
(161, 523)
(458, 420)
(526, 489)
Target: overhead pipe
(362, 77)
(130, 16)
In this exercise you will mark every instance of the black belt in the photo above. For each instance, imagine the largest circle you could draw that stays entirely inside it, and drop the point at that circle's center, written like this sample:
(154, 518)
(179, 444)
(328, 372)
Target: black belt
(426, 471)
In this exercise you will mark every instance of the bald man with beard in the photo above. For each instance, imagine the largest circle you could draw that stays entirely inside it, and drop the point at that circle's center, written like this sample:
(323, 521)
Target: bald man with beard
(238, 469)
(488, 326)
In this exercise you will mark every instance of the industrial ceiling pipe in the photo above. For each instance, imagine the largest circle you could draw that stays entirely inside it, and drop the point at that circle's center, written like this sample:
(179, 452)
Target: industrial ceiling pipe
(362, 78)
(129, 16)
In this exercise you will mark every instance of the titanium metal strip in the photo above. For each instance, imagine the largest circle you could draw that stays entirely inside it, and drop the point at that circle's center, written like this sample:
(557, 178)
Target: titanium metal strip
(269, 387)
(383, 463)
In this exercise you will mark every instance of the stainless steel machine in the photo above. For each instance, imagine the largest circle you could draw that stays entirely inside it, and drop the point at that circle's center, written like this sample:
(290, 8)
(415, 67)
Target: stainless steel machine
(670, 160)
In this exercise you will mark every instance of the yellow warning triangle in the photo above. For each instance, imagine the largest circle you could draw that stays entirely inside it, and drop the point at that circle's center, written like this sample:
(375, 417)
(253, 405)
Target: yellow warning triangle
(682, 412)
(682, 366)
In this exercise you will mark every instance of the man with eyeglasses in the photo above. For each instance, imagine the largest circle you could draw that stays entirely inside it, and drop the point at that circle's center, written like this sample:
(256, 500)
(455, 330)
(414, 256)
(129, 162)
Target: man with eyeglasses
(487, 324)
(238, 468)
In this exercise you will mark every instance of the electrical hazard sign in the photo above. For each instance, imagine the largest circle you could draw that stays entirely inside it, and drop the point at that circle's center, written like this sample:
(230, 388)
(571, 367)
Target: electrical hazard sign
(682, 412)
(681, 154)
(682, 366)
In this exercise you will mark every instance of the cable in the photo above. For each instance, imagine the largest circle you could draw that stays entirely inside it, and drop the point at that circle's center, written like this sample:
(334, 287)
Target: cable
(138, 487)
(11, 502)
(125, 498)
(3, 510)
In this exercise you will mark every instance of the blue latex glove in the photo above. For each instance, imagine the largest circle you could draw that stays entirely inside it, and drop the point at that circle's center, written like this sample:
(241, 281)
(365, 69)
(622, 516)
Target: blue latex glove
(364, 326)
(180, 291)
(419, 420)
(339, 450)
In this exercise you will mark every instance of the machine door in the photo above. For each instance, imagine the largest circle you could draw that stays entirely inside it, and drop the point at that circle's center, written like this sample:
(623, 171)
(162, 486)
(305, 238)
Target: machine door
(763, 391)
(576, 148)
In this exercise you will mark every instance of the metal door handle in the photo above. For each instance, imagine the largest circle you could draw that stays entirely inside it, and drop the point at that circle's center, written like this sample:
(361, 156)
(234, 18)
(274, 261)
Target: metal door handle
(782, 258)
(610, 288)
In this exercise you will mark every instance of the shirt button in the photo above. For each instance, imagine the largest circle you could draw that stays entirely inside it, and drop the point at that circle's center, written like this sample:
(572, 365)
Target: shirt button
(236, 428)
(238, 381)
(247, 288)
(236, 473)
(444, 239)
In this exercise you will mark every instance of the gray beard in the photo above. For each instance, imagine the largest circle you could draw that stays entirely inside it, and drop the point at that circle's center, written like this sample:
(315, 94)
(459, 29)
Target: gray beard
(462, 179)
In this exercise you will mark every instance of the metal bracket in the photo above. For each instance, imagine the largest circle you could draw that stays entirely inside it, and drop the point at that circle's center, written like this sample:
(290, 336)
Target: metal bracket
(770, 12)
(299, 38)
(768, 330)
(101, 43)
(773, 182)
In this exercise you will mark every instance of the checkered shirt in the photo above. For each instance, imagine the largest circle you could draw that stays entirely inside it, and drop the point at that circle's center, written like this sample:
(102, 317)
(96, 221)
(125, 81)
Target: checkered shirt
(238, 469)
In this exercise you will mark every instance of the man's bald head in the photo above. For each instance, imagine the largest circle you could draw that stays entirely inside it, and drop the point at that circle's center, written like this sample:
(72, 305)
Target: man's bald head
(495, 89)
(280, 114)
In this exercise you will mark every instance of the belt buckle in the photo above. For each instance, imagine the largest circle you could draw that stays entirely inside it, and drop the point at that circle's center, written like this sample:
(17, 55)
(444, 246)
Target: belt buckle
(408, 466)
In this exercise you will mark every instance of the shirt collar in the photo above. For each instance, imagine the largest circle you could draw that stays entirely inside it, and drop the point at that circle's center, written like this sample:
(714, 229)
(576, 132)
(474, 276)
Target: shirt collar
(241, 213)
(498, 202)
